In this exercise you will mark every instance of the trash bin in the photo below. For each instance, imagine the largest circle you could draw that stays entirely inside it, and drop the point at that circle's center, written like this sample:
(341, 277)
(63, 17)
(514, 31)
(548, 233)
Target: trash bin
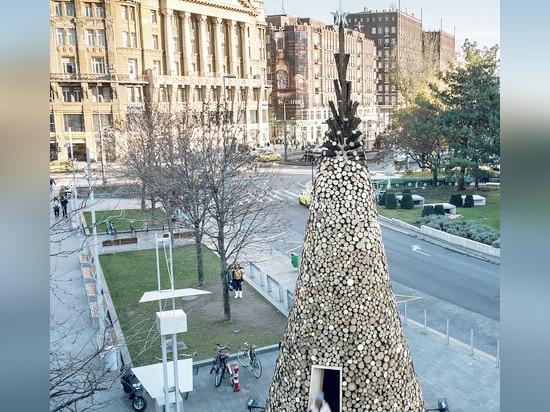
(294, 259)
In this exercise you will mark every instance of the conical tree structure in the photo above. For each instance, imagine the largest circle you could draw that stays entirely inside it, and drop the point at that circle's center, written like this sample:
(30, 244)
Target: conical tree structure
(344, 333)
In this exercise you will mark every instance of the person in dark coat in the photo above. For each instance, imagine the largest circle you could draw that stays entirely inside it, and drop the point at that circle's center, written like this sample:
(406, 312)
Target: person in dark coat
(64, 202)
(56, 206)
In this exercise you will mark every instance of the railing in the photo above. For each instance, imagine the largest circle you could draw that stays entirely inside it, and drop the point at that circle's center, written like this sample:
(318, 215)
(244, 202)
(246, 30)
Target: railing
(270, 285)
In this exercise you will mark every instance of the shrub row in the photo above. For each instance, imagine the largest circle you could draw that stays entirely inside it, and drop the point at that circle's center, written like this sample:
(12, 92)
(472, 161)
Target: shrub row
(469, 229)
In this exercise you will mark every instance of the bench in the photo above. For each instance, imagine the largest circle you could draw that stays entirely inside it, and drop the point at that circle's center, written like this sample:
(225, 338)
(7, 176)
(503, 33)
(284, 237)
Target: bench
(180, 235)
(121, 241)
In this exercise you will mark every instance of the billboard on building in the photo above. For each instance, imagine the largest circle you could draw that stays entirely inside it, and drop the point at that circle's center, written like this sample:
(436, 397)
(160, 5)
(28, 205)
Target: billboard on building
(290, 75)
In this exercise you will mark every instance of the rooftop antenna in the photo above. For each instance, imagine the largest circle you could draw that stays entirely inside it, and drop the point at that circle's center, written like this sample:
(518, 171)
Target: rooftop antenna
(283, 7)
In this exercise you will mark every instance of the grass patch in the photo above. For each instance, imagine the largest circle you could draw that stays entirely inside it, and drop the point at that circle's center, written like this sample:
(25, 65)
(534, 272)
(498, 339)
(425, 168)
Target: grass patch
(488, 214)
(130, 274)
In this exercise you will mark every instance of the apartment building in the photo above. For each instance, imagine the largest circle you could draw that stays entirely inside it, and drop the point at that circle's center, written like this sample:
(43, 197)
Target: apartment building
(399, 39)
(108, 56)
(302, 70)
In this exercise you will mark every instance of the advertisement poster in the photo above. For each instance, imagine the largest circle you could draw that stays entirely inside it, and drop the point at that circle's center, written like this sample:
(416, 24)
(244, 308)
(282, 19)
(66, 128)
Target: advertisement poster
(290, 74)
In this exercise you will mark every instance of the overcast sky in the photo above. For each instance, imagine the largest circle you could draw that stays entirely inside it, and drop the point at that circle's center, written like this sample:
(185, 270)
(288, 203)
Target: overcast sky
(475, 20)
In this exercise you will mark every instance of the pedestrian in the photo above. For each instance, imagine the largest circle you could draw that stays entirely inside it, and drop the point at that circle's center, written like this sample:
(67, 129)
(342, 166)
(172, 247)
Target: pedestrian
(52, 182)
(56, 206)
(319, 404)
(237, 274)
(64, 202)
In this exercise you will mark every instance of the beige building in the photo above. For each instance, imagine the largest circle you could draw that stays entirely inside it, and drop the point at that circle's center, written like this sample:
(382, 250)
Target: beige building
(302, 70)
(107, 57)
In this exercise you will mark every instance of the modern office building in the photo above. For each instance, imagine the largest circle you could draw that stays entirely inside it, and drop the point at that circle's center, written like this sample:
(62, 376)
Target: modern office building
(108, 56)
(400, 40)
(302, 70)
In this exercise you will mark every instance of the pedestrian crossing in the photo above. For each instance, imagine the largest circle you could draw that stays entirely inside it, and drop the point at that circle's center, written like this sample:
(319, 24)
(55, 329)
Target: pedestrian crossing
(283, 195)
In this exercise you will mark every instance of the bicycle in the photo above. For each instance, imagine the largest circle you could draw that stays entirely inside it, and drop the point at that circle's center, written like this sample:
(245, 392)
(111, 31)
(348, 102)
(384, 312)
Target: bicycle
(247, 356)
(252, 403)
(220, 364)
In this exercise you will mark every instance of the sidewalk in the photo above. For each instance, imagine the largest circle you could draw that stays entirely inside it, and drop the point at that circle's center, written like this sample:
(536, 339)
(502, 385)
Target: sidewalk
(468, 382)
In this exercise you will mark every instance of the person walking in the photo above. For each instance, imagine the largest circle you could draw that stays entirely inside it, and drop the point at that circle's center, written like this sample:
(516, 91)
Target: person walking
(319, 404)
(52, 182)
(237, 274)
(56, 206)
(64, 202)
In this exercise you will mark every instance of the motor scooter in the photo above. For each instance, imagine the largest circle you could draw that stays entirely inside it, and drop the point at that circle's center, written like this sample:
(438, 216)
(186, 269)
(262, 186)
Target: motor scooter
(132, 388)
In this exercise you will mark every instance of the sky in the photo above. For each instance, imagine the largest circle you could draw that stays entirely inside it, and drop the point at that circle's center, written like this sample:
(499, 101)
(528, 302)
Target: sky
(475, 20)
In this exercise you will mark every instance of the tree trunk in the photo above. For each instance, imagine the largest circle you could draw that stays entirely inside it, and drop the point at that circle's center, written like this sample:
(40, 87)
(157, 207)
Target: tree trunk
(143, 205)
(200, 264)
(225, 285)
(434, 176)
(461, 185)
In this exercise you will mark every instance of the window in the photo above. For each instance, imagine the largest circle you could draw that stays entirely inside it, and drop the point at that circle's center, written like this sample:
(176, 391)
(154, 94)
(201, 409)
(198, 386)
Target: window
(380, 30)
(132, 68)
(124, 13)
(69, 65)
(392, 29)
(101, 37)
(71, 37)
(133, 94)
(98, 65)
(386, 18)
(61, 37)
(66, 91)
(125, 39)
(374, 30)
(156, 66)
(154, 16)
(131, 14)
(57, 8)
(88, 10)
(99, 10)
(74, 121)
(104, 94)
(77, 94)
(133, 40)
(90, 38)
(386, 31)
(155, 42)
(69, 9)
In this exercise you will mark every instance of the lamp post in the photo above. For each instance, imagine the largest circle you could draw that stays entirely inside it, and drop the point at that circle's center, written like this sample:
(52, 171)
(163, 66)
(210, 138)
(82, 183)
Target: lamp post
(226, 76)
(284, 130)
(100, 137)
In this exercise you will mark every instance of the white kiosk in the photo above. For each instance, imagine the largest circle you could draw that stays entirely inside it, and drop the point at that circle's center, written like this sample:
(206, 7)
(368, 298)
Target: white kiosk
(167, 391)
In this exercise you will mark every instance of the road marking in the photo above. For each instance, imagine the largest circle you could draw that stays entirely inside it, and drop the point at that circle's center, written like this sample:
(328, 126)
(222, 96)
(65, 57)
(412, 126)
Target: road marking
(416, 248)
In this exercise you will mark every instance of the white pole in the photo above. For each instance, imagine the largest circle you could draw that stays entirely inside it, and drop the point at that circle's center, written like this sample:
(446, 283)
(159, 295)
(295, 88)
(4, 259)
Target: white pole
(74, 201)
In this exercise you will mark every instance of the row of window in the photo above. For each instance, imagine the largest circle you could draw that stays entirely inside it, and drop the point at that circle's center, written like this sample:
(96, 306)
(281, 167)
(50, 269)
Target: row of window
(73, 94)
(368, 19)
(67, 9)
(68, 37)
(384, 30)
(69, 65)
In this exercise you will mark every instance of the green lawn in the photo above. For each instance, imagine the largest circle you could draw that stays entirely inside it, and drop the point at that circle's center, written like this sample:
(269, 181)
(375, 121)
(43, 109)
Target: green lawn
(130, 274)
(488, 214)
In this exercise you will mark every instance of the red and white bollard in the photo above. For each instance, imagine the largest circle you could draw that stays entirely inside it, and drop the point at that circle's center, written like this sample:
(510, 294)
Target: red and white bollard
(236, 378)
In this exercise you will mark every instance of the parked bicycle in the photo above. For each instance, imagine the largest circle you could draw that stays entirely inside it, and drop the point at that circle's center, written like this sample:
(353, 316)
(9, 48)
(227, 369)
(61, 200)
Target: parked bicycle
(220, 365)
(247, 356)
(252, 403)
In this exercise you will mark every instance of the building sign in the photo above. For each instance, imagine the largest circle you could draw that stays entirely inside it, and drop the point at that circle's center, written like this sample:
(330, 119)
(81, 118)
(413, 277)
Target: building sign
(290, 80)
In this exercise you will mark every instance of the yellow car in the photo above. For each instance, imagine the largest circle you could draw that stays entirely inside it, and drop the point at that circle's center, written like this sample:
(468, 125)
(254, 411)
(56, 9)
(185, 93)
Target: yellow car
(305, 197)
(269, 157)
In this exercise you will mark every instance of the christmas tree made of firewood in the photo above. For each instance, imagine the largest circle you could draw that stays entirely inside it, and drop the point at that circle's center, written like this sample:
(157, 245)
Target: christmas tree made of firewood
(344, 334)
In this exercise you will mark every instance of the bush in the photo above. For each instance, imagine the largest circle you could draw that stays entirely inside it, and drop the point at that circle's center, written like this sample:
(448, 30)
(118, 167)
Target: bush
(391, 201)
(382, 199)
(456, 199)
(427, 211)
(407, 201)
(439, 210)
(469, 201)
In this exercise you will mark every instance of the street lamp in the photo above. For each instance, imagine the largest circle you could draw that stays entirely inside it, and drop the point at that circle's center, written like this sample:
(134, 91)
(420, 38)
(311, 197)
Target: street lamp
(226, 76)
(284, 130)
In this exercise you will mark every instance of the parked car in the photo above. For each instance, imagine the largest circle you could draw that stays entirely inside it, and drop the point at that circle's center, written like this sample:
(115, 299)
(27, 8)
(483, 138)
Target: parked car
(269, 156)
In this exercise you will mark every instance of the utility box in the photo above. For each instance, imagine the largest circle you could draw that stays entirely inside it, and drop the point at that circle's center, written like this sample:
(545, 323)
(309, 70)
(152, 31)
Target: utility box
(171, 321)
(294, 259)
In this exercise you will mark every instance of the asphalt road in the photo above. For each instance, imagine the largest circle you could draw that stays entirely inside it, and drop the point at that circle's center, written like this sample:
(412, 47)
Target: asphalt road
(452, 287)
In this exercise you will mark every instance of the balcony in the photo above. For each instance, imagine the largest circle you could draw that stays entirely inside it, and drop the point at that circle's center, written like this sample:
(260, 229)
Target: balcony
(95, 77)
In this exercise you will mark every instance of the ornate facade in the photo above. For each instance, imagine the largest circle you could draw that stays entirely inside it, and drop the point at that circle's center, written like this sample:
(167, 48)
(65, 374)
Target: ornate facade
(107, 57)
